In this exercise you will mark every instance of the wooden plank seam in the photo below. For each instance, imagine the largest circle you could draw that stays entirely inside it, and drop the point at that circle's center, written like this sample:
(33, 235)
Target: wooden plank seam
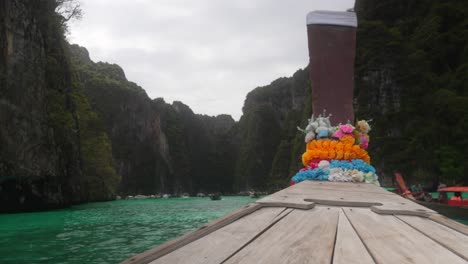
(357, 233)
(172, 245)
(459, 227)
(342, 203)
(336, 236)
(276, 220)
(435, 240)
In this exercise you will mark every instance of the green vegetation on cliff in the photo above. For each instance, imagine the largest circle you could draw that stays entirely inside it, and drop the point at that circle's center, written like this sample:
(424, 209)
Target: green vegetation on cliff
(99, 180)
(46, 126)
(131, 122)
(270, 145)
(411, 78)
(75, 131)
(157, 147)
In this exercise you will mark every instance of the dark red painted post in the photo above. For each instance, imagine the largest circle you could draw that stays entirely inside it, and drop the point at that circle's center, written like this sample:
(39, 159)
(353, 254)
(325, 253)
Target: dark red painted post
(332, 48)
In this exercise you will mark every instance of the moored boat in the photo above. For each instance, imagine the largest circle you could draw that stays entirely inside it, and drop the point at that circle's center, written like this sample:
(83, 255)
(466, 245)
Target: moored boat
(215, 196)
(456, 208)
(253, 194)
(454, 212)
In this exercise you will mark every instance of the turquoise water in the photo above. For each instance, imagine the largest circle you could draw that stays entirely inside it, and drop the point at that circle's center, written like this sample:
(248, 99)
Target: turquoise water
(463, 221)
(106, 232)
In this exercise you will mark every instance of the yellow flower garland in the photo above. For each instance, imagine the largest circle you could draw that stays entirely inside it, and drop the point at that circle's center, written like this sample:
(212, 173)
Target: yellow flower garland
(332, 149)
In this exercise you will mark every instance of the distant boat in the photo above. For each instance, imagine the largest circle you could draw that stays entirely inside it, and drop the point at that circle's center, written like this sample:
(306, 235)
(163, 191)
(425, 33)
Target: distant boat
(253, 195)
(215, 196)
(451, 208)
(166, 196)
(454, 212)
(185, 195)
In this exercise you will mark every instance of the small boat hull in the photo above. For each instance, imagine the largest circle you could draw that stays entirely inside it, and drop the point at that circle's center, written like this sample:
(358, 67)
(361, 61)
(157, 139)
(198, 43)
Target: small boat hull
(454, 212)
(215, 196)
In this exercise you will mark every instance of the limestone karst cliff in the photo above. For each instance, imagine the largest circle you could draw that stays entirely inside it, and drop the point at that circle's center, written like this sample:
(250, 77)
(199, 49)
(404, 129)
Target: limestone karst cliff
(157, 147)
(73, 130)
(46, 124)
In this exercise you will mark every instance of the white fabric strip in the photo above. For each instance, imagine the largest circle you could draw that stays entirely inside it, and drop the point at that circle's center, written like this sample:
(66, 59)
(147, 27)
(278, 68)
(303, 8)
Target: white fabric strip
(332, 18)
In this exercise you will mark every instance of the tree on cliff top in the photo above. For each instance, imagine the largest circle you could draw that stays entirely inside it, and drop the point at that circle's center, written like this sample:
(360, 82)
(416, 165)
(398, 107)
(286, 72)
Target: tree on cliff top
(68, 10)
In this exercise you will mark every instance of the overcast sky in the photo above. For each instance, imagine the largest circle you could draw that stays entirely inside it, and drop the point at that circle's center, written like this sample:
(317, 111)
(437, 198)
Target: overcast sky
(206, 53)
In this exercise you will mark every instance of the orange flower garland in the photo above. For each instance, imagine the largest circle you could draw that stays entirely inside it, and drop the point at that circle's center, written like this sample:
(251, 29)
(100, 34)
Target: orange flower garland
(345, 149)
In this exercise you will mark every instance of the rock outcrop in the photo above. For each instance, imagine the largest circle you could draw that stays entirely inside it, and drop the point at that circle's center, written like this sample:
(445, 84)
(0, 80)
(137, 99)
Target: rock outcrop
(157, 147)
(41, 115)
(72, 130)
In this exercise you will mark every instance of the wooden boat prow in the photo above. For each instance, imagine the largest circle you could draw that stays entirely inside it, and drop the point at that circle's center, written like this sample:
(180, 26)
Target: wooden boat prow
(324, 221)
(321, 222)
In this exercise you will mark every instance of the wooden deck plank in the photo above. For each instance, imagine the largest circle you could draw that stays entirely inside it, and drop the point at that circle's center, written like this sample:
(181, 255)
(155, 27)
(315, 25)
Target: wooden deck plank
(181, 241)
(443, 220)
(390, 240)
(286, 201)
(310, 186)
(303, 236)
(349, 248)
(322, 193)
(225, 240)
(405, 207)
(451, 239)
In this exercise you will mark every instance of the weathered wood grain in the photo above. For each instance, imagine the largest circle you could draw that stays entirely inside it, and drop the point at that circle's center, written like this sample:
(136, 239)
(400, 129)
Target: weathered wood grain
(303, 236)
(451, 239)
(390, 240)
(377, 228)
(349, 248)
(404, 208)
(443, 220)
(226, 240)
(344, 202)
(176, 243)
(303, 194)
(286, 201)
(307, 187)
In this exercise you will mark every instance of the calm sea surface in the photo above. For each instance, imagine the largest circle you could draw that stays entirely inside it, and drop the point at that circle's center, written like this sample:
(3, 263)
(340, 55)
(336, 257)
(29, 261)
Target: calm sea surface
(106, 232)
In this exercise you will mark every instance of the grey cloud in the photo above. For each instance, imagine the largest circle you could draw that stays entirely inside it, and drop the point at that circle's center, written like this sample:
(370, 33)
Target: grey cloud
(207, 53)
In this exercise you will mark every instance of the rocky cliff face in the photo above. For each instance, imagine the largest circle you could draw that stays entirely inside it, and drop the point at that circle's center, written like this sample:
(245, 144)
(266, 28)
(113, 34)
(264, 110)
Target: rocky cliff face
(72, 130)
(269, 143)
(132, 121)
(410, 74)
(157, 147)
(201, 149)
(41, 155)
(37, 157)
